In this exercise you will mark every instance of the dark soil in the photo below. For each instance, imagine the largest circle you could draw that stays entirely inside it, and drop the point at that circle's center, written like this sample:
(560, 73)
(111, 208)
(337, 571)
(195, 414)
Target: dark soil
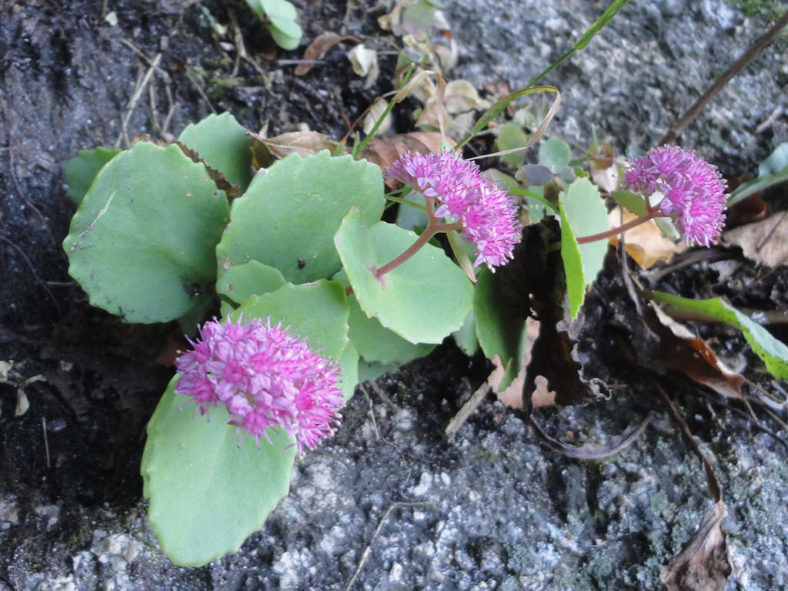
(66, 81)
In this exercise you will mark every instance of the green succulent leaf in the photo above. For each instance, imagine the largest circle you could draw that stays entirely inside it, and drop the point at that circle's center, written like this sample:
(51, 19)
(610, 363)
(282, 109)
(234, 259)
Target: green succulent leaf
(223, 144)
(348, 363)
(241, 282)
(423, 300)
(773, 352)
(499, 327)
(379, 344)
(83, 168)
(510, 136)
(316, 311)
(289, 214)
(631, 201)
(555, 154)
(283, 36)
(208, 490)
(465, 336)
(142, 241)
(583, 213)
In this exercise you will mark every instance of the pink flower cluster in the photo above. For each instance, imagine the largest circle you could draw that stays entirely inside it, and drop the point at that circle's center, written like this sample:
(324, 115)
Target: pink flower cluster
(265, 377)
(461, 193)
(693, 190)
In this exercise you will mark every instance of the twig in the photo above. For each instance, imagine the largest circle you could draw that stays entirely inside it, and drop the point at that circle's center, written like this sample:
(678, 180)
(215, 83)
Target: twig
(383, 396)
(466, 411)
(135, 98)
(593, 451)
(46, 441)
(368, 549)
(147, 60)
(19, 189)
(38, 279)
(711, 478)
(200, 91)
(748, 56)
(371, 411)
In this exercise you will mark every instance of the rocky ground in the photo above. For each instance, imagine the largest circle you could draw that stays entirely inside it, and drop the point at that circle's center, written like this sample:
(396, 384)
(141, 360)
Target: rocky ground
(387, 500)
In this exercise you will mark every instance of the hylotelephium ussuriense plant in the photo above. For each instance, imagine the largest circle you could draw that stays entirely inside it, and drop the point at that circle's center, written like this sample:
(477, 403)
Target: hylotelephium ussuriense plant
(316, 293)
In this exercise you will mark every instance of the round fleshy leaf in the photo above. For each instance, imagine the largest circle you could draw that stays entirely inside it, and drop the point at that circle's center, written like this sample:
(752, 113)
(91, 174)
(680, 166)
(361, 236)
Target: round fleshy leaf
(142, 242)
(223, 144)
(356, 250)
(208, 491)
(377, 343)
(317, 312)
(289, 214)
(500, 328)
(83, 168)
(555, 153)
(241, 282)
(583, 213)
(348, 363)
(423, 300)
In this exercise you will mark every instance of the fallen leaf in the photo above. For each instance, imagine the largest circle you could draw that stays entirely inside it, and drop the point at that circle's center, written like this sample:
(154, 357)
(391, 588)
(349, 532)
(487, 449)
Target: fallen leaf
(303, 143)
(365, 63)
(646, 243)
(683, 352)
(703, 565)
(384, 151)
(319, 47)
(230, 189)
(752, 209)
(765, 242)
(461, 96)
(513, 394)
(375, 112)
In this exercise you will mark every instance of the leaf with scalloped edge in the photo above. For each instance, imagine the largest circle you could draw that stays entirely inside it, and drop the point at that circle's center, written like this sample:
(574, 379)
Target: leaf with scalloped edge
(142, 241)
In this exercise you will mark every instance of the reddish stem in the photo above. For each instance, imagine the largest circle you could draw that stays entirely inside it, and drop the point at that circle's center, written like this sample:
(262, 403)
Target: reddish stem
(618, 230)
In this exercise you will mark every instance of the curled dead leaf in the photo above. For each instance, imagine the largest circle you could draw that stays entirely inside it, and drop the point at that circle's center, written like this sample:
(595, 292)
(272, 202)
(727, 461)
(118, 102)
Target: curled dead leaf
(384, 151)
(765, 242)
(319, 47)
(365, 63)
(303, 143)
(230, 189)
(703, 565)
(461, 96)
(375, 112)
(646, 243)
(682, 352)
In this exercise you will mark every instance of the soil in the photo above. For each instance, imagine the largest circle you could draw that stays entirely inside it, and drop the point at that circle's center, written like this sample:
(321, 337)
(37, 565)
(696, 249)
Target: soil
(70, 490)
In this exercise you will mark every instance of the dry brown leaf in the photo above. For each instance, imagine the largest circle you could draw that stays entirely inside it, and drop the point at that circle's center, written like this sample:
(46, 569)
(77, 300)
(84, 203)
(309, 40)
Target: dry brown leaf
(765, 242)
(230, 189)
(645, 243)
(513, 394)
(384, 151)
(364, 63)
(303, 143)
(461, 96)
(319, 47)
(683, 352)
(375, 112)
(703, 565)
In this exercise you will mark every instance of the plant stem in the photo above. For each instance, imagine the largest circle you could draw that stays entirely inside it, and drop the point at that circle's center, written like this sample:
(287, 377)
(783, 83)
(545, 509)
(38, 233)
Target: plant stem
(618, 230)
(431, 230)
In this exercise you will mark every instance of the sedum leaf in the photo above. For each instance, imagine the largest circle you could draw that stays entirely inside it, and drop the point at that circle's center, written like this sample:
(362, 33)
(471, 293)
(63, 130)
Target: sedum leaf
(289, 214)
(142, 242)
